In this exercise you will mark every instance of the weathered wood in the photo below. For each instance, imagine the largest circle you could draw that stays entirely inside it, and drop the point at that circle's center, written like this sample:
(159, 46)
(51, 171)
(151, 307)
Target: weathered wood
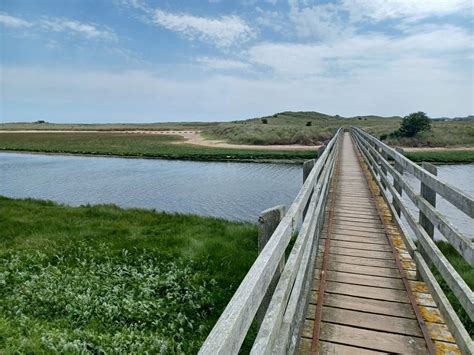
(463, 201)
(370, 339)
(460, 242)
(367, 292)
(267, 223)
(430, 196)
(396, 185)
(307, 167)
(450, 316)
(403, 310)
(365, 280)
(378, 322)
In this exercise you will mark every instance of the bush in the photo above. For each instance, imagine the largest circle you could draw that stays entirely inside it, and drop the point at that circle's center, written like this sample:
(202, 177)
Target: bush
(308, 124)
(264, 121)
(414, 123)
(383, 137)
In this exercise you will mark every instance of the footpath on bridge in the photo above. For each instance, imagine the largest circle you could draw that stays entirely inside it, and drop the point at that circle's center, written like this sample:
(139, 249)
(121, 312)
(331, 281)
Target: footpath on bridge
(366, 297)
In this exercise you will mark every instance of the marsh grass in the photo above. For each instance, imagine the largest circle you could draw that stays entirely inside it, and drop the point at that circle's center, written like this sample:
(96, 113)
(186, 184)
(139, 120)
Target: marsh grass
(122, 144)
(101, 279)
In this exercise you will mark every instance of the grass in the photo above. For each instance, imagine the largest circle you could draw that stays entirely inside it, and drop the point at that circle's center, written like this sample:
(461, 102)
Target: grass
(466, 272)
(123, 144)
(96, 279)
(455, 156)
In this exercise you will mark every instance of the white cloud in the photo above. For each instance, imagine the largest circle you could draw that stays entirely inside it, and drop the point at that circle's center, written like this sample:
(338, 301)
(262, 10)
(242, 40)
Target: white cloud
(55, 24)
(348, 54)
(223, 31)
(86, 29)
(12, 21)
(411, 10)
(222, 64)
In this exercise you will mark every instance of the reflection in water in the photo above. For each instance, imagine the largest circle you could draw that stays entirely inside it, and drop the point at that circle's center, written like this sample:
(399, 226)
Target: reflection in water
(235, 191)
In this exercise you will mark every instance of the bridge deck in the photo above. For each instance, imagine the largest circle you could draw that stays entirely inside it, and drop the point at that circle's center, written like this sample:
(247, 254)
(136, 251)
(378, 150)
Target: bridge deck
(366, 307)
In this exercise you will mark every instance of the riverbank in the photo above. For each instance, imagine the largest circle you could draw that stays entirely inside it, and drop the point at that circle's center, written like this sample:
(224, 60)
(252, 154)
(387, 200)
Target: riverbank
(176, 147)
(141, 146)
(106, 279)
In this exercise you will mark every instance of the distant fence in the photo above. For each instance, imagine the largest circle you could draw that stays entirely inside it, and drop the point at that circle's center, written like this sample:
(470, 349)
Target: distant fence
(425, 252)
(284, 290)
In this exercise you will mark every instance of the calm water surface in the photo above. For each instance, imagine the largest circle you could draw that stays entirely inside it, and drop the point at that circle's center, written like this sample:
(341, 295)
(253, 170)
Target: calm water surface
(235, 191)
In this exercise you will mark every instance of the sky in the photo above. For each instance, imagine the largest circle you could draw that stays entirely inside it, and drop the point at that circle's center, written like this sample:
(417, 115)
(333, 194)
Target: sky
(217, 60)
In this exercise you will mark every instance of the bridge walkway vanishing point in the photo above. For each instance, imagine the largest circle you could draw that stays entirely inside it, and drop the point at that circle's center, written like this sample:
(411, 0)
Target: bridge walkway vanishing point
(340, 272)
(364, 302)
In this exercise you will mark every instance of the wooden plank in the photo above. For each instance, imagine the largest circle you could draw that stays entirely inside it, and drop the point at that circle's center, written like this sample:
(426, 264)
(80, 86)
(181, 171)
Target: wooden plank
(367, 292)
(393, 343)
(372, 321)
(360, 227)
(389, 264)
(358, 245)
(357, 222)
(403, 310)
(364, 270)
(358, 239)
(362, 253)
(367, 280)
(333, 348)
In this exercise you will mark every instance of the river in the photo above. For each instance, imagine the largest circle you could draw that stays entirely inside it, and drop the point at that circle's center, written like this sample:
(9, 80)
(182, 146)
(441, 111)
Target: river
(234, 191)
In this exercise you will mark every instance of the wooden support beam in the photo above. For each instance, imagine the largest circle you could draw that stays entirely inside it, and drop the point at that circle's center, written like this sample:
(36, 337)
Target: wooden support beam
(267, 223)
(430, 196)
(399, 168)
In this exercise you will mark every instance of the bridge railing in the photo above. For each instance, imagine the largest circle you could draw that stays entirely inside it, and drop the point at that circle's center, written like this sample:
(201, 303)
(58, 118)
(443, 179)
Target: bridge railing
(282, 322)
(425, 252)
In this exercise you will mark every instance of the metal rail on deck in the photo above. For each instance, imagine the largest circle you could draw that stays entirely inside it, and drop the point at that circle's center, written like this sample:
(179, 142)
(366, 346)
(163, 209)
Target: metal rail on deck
(281, 326)
(425, 252)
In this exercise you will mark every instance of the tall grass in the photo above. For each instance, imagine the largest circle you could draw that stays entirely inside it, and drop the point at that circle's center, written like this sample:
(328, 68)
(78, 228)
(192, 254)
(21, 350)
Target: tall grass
(100, 279)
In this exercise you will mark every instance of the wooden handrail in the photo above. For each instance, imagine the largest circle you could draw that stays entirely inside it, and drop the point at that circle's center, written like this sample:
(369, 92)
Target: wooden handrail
(231, 328)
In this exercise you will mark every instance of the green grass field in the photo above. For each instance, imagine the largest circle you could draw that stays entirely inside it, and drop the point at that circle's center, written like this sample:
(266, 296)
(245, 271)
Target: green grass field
(122, 144)
(98, 279)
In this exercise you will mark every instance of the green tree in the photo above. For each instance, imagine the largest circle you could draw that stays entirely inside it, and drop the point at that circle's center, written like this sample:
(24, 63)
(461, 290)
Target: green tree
(264, 121)
(414, 123)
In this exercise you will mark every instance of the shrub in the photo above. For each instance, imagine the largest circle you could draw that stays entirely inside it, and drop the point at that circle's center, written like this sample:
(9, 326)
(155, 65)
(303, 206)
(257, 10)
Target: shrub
(383, 137)
(264, 121)
(308, 124)
(414, 123)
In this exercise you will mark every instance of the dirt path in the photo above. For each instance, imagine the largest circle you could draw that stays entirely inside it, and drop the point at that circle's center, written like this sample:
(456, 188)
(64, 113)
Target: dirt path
(190, 137)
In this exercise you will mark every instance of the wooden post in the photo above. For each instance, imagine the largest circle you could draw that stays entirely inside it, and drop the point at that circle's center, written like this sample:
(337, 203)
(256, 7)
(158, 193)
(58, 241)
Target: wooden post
(430, 196)
(383, 168)
(267, 223)
(396, 185)
(307, 167)
(321, 150)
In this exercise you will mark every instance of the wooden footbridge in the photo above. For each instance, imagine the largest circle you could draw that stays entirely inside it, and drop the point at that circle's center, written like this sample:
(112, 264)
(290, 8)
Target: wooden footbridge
(341, 273)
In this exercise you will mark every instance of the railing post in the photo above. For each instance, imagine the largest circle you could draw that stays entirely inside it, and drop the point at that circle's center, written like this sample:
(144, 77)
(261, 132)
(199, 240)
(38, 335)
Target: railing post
(267, 223)
(396, 185)
(321, 150)
(307, 167)
(430, 196)
(383, 168)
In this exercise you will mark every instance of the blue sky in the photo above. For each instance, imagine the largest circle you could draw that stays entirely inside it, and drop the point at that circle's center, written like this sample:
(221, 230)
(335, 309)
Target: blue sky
(149, 61)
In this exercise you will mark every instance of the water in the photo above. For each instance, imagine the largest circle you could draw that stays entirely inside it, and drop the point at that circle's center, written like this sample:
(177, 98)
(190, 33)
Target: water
(234, 191)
